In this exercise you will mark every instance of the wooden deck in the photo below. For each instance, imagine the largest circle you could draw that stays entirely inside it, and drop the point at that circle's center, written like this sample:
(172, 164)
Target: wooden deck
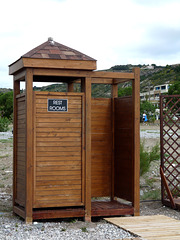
(111, 208)
(98, 208)
(158, 227)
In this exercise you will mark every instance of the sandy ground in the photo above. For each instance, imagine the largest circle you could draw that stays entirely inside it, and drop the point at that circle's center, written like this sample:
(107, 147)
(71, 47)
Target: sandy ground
(150, 136)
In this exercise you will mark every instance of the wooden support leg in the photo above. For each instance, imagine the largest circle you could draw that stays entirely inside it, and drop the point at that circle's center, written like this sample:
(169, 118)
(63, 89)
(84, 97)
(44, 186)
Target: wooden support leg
(87, 218)
(28, 220)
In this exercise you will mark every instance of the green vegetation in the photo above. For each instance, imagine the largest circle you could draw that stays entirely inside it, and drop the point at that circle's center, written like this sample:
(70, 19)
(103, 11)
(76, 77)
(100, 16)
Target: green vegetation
(6, 110)
(5, 156)
(157, 76)
(9, 140)
(84, 229)
(4, 124)
(152, 195)
(6, 104)
(174, 89)
(147, 157)
(149, 109)
(127, 91)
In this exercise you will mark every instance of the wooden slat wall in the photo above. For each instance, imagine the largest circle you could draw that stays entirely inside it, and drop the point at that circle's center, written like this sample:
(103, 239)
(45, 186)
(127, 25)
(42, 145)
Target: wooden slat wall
(123, 160)
(58, 154)
(21, 159)
(101, 147)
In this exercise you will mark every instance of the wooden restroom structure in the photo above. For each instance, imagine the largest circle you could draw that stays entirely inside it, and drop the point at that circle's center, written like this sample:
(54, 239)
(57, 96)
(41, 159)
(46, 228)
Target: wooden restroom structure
(74, 155)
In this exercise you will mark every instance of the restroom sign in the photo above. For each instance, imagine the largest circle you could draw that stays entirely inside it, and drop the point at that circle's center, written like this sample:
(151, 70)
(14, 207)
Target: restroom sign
(57, 105)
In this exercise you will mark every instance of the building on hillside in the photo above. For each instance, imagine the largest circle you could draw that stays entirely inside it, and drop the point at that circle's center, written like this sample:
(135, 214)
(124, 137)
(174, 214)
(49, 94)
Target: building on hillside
(153, 96)
(147, 67)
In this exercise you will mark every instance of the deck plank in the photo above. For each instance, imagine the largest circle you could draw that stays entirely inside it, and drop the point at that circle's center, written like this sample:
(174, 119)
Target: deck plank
(158, 227)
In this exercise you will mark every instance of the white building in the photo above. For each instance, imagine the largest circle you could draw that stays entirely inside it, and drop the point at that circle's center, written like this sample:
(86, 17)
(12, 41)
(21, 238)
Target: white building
(153, 96)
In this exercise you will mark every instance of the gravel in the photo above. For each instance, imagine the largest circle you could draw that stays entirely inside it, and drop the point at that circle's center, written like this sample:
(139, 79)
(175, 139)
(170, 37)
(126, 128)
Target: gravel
(6, 135)
(12, 227)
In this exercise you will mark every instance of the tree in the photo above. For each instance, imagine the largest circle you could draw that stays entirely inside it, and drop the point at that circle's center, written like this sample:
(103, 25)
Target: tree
(127, 91)
(6, 104)
(174, 89)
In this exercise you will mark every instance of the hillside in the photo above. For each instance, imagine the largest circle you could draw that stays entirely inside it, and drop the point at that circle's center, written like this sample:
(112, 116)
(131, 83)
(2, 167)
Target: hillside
(152, 75)
(5, 90)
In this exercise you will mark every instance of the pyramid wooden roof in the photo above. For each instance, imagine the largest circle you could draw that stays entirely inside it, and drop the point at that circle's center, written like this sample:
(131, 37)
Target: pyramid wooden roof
(55, 50)
(52, 54)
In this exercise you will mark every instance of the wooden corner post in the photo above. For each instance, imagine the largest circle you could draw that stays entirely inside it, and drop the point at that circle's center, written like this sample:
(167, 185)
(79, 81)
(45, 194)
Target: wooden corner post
(70, 87)
(86, 87)
(136, 139)
(29, 145)
(114, 94)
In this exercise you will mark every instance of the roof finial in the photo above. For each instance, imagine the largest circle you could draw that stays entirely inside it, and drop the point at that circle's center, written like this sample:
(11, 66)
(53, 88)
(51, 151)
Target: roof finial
(51, 41)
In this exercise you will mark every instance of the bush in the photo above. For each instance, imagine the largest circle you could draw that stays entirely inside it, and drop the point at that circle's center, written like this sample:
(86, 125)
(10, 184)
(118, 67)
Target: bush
(4, 123)
(147, 157)
(6, 104)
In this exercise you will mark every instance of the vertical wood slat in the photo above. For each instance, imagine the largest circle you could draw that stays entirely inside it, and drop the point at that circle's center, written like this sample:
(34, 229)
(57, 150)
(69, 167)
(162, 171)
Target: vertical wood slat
(136, 139)
(87, 90)
(16, 92)
(114, 95)
(29, 144)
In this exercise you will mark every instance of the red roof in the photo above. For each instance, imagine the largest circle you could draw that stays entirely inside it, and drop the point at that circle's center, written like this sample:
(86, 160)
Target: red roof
(54, 50)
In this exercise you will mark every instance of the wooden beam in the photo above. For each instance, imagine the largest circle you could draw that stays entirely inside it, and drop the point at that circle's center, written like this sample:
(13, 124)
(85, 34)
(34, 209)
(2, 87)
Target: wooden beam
(20, 76)
(86, 87)
(29, 145)
(120, 80)
(136, 140)
(61, 73)
(16, 92)
(114, 75)
(60, 64)
(83, 73)
(167, 188)
(102, 80)
(16, 66)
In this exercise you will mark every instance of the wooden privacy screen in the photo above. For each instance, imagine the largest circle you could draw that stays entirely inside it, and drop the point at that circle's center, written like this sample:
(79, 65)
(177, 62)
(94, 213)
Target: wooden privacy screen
(59, 166)
(101, 155)
(123, 158)
(170, 150)
(20, 172)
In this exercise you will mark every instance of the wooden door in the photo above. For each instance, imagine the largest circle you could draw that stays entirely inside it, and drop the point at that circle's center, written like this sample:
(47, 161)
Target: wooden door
(123, 152)
(59, 141)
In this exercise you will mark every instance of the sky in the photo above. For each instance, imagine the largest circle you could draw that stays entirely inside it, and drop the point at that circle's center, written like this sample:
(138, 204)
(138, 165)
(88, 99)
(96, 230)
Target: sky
(114, 32)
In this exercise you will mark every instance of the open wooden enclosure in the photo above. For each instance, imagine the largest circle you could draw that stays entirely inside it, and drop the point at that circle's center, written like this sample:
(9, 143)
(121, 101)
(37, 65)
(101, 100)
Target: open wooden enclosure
(74, 155)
